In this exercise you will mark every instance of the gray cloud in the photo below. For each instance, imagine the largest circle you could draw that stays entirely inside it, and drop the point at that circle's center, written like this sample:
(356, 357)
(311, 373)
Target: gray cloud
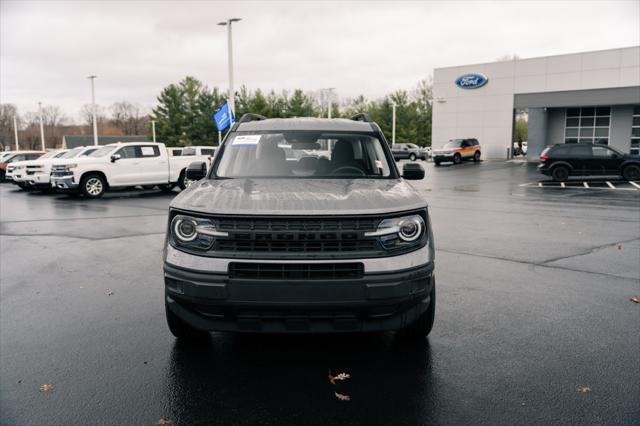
(136, 48)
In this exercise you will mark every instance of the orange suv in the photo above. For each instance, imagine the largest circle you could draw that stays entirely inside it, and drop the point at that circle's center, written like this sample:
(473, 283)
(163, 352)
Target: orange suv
(457, 150)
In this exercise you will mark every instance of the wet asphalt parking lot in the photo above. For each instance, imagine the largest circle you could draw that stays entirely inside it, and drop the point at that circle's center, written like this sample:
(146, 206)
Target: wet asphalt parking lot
(534, 288)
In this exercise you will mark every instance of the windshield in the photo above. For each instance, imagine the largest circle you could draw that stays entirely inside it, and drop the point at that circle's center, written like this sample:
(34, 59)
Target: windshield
(73, 153)
(51, 154)
(453, 144)
(102, 151)
(303, 154)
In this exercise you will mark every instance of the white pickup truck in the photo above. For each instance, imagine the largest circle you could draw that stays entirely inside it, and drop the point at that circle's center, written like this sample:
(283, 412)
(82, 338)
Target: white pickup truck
(129, 164)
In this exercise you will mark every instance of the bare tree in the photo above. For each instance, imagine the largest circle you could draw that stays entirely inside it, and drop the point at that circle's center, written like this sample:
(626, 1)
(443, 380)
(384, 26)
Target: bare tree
(86, 115)
(128, 117)
(7, 113)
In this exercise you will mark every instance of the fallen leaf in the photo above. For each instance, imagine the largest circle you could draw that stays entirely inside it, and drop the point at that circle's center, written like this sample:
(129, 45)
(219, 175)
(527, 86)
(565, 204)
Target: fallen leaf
(619, 246)
(164, 421)
(342, 397)
(635, 299)
(583, 389)
(46, 388)
(339, 377)
(109, 293)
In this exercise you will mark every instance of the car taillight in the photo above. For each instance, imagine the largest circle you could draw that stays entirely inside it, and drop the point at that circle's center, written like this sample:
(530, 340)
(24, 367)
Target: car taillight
(544, 157)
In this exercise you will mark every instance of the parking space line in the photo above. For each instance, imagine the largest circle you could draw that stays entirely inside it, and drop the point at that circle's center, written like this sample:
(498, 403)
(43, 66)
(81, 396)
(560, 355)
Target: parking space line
(585, 184)
(540, 184)
(562, 184)
(611, 185)
(635, 184)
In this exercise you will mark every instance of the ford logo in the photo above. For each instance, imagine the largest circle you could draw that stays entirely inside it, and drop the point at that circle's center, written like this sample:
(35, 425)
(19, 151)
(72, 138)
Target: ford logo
(471, 81)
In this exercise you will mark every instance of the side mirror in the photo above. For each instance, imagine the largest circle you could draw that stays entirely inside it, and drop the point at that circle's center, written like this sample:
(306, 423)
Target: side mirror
(413, 171)
(115, 157)
(197, 170)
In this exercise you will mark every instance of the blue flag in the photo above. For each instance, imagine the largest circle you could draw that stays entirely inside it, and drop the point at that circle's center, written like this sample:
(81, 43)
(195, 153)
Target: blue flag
(223, 117)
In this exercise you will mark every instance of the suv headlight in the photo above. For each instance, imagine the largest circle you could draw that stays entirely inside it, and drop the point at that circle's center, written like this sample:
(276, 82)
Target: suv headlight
(193, 232)
(71, 166)
(400, 232)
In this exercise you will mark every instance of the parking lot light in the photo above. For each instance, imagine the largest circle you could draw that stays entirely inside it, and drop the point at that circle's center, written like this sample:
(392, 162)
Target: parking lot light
(228, 23)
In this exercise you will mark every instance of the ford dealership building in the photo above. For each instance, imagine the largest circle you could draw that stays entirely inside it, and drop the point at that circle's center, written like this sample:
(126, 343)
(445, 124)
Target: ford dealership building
(590, 97)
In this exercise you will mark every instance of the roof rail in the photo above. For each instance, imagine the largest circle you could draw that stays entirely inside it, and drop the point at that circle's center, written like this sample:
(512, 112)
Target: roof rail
(361, 116)
(250, 117)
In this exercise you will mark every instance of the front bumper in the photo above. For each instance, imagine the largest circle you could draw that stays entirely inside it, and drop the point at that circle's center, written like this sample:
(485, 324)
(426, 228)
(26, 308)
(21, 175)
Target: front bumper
(64, 182)
(39, 180)
(378, 301)
(443, 157)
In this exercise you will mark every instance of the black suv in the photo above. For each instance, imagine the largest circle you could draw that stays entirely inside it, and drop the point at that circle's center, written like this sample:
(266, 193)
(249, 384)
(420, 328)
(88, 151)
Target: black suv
(300, 225)
(564, 160)
(408, 151)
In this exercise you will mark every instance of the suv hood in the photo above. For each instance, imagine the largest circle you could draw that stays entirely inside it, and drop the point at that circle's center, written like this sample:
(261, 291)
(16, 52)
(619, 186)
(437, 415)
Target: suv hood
(299, 196)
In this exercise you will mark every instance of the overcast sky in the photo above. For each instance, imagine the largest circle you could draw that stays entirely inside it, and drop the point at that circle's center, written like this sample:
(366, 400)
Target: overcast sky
(136, 48)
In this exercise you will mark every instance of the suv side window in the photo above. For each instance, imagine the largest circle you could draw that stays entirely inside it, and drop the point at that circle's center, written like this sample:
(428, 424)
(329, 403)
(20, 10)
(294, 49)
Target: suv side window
(474, 142)
(579, 151)
(36, 156)
(603, 152)
(465, 144)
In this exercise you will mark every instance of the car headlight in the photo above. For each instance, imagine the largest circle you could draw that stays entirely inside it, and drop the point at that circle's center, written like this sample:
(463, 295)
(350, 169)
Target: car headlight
(194, 232)
(400, 231)
(71, 166)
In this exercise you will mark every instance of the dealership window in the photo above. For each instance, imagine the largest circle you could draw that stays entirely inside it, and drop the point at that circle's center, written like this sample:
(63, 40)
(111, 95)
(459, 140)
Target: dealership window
(635, 131)
(587, 125)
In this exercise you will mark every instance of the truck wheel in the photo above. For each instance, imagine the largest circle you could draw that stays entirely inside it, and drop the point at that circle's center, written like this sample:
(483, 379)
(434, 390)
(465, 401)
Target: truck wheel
(181, 329)
(412, 157)
(182, 180)
(457, 159)
(476, 156)
(437, 163)
(423, 325)
(560, 173)
(631, 172)
(93, 186)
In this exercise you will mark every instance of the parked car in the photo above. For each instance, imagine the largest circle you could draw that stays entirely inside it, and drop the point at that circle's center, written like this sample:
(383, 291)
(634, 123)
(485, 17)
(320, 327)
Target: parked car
(564, 160)
(408, 151)
(265, 241)
(14, 157)
(457, 150)
(36, 174)
(121, 165)
(207, 151)
(519, 150)
(17, 172)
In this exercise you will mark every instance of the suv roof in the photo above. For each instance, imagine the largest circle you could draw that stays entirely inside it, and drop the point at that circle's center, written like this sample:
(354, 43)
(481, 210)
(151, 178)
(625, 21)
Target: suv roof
(314, 124)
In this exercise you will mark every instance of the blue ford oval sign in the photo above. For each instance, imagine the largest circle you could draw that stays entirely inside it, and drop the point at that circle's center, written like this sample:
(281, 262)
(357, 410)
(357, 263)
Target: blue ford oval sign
(471, 81)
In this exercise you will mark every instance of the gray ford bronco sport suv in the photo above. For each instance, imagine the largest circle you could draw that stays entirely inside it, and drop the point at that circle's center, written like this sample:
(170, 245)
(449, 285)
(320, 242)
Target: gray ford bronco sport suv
(301, 225)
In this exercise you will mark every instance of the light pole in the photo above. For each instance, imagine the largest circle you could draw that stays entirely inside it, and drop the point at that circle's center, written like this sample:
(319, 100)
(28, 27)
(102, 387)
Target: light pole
(227, 23)
(329, 91)
(93, 110)
(41, 126)
(153, 129)
(393, 124)
(15, 132)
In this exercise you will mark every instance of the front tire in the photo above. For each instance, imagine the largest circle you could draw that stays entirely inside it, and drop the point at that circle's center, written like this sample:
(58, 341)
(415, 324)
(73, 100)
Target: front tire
(437, 163)
(93, 186)
(424, 324)
(182, 180)
(181, 329)
(560, 173)
(631, 172)
(412, 157)
(457, 159)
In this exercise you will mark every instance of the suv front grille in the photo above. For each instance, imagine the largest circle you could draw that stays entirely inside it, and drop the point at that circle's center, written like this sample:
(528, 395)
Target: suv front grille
(295, 271)
(303, 236)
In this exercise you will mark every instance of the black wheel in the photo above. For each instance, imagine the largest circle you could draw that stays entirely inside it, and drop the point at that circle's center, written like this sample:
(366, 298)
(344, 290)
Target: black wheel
(423, 325)
(167, 188)
(437, 163)
(93, 186)
(631, 172)
(181, 329)
(412, 157)
(182, 180)
(457, 159)
(560, 173)
(476, 156)
(2, 175)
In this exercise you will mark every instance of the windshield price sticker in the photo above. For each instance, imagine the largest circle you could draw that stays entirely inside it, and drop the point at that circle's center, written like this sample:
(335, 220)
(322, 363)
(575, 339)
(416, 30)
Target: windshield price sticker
(246, 140)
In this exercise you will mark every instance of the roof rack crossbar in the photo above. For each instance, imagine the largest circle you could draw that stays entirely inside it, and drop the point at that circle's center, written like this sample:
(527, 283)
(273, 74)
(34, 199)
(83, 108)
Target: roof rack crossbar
(250, 117)
(361, 116)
